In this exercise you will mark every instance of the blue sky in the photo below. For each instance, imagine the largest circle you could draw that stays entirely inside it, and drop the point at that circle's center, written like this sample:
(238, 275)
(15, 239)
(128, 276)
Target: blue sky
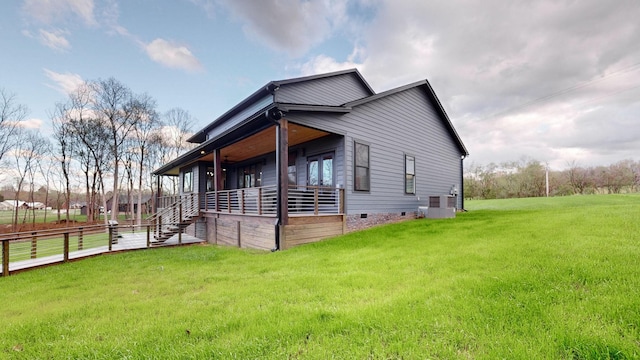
(556, 81)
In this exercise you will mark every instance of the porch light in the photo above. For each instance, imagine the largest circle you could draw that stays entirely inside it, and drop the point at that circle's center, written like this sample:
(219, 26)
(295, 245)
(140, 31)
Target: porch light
(201, 152)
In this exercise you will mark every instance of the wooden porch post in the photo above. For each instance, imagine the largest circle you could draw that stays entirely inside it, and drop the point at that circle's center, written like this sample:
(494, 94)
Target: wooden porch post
(217, 176)
(283, 148)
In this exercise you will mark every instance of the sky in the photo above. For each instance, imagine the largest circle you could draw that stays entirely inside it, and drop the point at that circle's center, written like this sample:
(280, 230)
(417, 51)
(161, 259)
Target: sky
(554, 81)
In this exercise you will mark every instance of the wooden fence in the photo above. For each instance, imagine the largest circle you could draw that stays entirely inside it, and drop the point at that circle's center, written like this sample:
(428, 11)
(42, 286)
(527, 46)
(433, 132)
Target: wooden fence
(26, 250)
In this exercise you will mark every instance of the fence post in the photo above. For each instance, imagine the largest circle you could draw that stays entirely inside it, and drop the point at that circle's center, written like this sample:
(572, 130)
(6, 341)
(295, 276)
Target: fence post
(110, 238)
(5, 257)
(34, 245)
(148, 236)
(242, 204)
(259, 201)
(80, 239)
(315, 201)
(66, 247)
(180, 223)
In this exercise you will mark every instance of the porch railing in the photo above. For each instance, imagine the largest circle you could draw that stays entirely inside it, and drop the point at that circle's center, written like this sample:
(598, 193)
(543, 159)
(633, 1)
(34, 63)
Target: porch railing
(173, 211)
(302, 199)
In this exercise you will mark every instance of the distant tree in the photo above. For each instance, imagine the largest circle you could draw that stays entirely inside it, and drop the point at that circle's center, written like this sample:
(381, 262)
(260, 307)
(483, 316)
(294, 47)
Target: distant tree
(144, 136)
(63, 136)
(176, 129)
(30, 148)
(114, 106)
(11, 113)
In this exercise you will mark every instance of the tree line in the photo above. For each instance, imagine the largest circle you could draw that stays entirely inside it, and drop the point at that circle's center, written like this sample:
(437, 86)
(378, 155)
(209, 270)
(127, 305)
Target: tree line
(106, 141)
(531, 178)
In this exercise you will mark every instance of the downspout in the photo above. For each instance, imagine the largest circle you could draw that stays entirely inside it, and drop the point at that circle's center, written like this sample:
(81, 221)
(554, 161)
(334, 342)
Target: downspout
(462, 183)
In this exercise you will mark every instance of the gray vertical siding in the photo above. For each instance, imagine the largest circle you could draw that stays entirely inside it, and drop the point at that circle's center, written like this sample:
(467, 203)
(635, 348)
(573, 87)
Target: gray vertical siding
(240, 116)
(399, 124)
(405, 122)
(335, 90)
(303, 151)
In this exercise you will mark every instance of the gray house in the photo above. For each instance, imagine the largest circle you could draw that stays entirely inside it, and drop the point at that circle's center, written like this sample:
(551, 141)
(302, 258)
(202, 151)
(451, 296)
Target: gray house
(298, 158)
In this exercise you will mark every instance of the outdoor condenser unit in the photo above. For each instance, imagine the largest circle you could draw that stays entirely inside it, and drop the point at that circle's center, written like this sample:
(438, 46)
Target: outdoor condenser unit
(440, 207)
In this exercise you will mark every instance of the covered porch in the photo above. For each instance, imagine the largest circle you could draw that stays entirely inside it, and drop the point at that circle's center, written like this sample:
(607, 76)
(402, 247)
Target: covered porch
(262, 185)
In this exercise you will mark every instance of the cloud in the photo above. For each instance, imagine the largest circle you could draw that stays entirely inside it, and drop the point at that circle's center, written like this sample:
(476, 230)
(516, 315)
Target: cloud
(323, 64)
(172, 55)
(31, 124)
(55, 40)
(52, 11)
(293, 26)
(544, 79)
(66, 83)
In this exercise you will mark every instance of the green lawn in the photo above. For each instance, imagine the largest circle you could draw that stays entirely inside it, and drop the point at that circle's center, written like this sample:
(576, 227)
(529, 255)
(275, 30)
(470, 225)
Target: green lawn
(550, 278)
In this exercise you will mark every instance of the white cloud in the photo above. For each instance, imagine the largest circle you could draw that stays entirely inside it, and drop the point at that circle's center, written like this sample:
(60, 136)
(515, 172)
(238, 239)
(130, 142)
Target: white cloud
(30, 124)
(55, 40)
(65, 83)
(172, 55)
(323, 64)
(517, 79)
(293, 26)
(51, 11)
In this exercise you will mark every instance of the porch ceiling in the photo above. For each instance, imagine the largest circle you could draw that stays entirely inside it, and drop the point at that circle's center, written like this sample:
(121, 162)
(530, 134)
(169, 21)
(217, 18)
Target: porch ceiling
(264, 142)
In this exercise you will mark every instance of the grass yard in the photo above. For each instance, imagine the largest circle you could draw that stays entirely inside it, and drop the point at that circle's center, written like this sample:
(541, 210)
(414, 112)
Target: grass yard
(553, 278)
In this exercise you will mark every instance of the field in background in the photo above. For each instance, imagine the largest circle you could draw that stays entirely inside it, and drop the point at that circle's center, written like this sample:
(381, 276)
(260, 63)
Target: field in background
(520, 279)
(6, 216)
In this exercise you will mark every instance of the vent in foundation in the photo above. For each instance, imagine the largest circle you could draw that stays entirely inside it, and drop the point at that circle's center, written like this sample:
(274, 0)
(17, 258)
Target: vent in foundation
(403, 213)
(363, 216)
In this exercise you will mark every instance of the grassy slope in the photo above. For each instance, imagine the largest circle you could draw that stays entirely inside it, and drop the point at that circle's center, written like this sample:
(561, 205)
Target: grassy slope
(530, 278)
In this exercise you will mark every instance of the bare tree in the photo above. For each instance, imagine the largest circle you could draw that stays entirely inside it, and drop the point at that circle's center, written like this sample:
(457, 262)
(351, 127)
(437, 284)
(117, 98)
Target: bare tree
(30, 147)
(176, 128)
(113, 105)
(145, 135)
(11, 113)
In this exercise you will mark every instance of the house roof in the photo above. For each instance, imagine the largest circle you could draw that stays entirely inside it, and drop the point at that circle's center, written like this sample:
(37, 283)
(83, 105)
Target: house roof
(268, 89)
(256, 121)
(430, 94)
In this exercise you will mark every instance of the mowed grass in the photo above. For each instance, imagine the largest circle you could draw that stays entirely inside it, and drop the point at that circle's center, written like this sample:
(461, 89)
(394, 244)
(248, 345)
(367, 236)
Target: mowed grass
(516, 279)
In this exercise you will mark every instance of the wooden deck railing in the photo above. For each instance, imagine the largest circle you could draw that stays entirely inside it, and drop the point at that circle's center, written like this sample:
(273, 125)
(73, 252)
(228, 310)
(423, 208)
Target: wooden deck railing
(174, 210)
(25, 250)
(309, 200)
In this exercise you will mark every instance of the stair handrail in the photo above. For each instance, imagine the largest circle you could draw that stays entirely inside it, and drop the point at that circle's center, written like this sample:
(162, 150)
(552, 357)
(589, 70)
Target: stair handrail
(183, 209)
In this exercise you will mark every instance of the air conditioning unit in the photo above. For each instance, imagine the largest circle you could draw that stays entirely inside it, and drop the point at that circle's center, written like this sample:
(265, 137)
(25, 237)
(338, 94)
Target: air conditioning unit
(441, 207)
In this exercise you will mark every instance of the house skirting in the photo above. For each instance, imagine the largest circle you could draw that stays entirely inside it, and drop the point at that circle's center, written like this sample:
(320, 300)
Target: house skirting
(259, 232)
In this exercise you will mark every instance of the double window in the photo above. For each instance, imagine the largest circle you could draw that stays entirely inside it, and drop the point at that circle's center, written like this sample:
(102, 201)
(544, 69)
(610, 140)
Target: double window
(409, 174)
(250, 176)
(320, 170)
(362, 173)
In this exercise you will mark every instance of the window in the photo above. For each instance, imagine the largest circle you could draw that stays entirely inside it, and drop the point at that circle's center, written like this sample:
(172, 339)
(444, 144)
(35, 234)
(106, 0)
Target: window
(320, 170)
(292, 170)
(187, 181)
(211, 179)
(409, 174)
(250, 176)
(361, 179)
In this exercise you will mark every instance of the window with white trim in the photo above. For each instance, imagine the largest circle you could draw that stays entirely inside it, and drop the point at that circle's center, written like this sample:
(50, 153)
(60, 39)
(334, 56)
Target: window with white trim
(409, 174)
(187, 181)
(362, 174)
